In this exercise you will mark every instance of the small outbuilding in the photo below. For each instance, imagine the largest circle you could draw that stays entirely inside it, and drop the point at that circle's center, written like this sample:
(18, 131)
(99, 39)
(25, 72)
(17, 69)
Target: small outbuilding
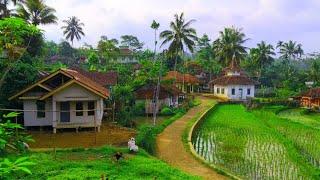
(310, 98)
(63, 99)
(168, 96)
(234, 84)
(187, 83)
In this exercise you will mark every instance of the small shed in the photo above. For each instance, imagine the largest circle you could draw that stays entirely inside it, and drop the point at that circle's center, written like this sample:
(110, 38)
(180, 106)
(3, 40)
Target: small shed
(310, 98)
(168, 96)
(187, 83)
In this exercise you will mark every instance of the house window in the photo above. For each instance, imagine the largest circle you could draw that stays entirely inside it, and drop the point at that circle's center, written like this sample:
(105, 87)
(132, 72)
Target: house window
(218, 90)
(91, 108)
(222, 90)
(248, 91)
(41, 107)
(233, 91)
(79, 109)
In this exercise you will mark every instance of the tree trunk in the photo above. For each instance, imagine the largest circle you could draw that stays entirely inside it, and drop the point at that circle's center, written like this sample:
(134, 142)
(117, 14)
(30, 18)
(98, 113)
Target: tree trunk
(4, 76)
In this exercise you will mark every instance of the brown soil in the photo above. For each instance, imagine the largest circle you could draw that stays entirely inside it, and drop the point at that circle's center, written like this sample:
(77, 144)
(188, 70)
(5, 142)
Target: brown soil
(171, 149)
(110, 134)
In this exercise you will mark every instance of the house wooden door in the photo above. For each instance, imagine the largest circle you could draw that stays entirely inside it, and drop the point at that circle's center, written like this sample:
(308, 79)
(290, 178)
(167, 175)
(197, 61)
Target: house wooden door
(65, 112)
(240, 93)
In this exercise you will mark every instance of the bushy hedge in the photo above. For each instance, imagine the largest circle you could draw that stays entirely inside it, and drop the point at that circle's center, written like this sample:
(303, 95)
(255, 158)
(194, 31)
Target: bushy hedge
(259, 102)
(167, 111)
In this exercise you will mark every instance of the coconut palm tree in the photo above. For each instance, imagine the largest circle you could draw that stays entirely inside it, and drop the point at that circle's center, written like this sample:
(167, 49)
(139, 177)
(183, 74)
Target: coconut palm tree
(262, 55)
(179, 36)
(73, 29)
(290, 50)
(4, 11)
(155, 26)
(36, 12)
(230, 45)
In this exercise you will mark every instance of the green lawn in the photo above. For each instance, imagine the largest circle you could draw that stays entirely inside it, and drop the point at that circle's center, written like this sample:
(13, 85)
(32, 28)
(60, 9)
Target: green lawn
(258, 144)
(311, 119)
(92, 163)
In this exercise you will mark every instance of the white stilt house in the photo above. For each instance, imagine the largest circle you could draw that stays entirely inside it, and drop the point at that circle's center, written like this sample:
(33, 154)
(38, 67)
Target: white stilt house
(63, 99)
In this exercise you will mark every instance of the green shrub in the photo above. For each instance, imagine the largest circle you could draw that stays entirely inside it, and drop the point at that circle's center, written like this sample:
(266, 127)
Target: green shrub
(147, 134)
(139, 109)
(166, 111)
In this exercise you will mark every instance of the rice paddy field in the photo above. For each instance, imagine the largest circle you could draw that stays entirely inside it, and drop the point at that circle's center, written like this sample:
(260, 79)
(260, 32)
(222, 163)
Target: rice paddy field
(258, 144)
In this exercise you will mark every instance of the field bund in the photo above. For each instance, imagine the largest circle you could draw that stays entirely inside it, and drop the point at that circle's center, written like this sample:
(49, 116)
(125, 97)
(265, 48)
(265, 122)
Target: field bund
(255, 144)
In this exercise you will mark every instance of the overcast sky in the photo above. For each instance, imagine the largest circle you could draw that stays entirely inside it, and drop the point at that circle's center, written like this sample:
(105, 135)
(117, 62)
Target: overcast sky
(269, 20)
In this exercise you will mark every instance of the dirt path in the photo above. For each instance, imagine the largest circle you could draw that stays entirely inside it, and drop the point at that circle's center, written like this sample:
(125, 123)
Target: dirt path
(170, 147)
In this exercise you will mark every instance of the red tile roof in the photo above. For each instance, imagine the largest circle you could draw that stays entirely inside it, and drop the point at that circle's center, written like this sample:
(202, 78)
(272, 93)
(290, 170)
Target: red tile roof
(233, 80)
(147, 91)
(312, 93)
(103, 78)
(180, 78)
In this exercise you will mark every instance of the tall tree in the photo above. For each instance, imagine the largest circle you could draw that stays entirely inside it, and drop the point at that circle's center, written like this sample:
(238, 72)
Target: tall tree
(179, 36)
(4, 11)
(314, 72)
(36, 12)
(14, 45)
(262, 55)
(108, 50)
(229, 44)
(73, 29)
(155, 26)
(132, 42)
(290, 50)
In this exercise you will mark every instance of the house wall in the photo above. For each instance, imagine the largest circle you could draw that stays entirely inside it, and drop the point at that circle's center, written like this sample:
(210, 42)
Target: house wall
(170, 101)
(237, 95)
(75, 93)
(187, 88)
(220, 94)
(127, 59)
(30, 114)
(310, 103)
(72, 94)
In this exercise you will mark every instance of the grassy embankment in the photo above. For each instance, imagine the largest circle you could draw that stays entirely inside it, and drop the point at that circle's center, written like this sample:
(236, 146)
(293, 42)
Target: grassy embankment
(97, 162)
(259, 144)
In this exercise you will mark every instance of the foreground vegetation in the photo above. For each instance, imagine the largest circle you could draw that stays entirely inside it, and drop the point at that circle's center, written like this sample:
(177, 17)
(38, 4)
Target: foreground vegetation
(95, 163)
(259, 144)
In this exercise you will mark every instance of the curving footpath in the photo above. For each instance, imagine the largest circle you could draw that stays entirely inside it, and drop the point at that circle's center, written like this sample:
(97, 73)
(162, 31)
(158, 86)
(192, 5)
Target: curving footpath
(171, 149)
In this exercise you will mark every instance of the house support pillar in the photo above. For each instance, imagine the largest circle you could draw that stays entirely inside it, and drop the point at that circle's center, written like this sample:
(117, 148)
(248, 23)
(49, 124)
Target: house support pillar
(54, 115)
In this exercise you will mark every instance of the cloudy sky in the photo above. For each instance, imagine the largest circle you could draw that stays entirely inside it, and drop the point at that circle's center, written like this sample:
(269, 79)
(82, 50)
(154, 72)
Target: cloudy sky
(269, 20)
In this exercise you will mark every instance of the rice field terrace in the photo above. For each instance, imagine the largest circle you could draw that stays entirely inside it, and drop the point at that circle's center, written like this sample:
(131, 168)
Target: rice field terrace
(258, 144)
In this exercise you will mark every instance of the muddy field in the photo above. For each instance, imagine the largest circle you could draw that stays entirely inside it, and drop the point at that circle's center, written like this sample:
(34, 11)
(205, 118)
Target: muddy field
(110, 134)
